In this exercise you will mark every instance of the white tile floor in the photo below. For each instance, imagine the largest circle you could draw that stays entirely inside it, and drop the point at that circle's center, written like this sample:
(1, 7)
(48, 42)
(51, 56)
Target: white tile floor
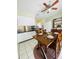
(26, 49)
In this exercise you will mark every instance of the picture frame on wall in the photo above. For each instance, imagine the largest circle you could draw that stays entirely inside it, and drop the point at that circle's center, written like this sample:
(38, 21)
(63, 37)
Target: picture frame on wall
(57, 23)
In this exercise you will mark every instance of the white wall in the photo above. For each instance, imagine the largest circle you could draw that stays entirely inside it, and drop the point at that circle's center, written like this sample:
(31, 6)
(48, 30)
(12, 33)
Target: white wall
(48, 26)
(21, 20)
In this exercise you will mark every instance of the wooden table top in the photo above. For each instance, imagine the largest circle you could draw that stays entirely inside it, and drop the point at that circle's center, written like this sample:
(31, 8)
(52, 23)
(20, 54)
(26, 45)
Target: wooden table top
(42, 39)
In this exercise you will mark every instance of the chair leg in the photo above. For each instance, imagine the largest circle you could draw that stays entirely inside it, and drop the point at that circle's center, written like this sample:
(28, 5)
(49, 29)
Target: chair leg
(55, 54)
(43, 53)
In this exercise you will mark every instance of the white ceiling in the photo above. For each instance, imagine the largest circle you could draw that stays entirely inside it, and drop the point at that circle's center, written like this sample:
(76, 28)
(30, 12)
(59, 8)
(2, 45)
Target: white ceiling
(29, 8)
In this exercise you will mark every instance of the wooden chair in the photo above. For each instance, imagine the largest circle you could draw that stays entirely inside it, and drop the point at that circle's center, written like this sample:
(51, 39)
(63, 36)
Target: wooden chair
(59, 39)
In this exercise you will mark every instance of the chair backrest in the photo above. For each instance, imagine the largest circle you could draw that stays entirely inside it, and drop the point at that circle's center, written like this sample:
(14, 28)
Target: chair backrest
(53, 45)
(58, 38)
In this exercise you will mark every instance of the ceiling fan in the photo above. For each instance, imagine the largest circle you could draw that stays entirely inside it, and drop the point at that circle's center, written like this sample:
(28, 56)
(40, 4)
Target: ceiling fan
(49, 6)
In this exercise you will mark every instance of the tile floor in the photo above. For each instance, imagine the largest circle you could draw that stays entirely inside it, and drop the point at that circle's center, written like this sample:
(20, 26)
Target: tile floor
(26, 49)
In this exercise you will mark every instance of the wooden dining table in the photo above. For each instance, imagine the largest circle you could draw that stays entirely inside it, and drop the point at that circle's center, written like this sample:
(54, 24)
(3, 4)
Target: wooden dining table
(49, 43)
(43, 39)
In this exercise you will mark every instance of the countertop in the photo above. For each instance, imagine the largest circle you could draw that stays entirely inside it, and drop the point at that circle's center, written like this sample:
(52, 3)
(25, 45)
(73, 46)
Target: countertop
(25, 36)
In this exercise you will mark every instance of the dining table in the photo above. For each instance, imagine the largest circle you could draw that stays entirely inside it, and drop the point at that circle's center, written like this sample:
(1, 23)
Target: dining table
(45, 43)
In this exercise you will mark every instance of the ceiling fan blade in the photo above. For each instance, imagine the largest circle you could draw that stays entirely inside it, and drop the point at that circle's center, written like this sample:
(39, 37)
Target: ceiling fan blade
(55, 2)
(54, 8)
(47, 6)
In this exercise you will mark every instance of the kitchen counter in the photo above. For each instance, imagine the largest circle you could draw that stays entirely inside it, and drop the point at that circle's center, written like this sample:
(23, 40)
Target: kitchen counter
(25, 36)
